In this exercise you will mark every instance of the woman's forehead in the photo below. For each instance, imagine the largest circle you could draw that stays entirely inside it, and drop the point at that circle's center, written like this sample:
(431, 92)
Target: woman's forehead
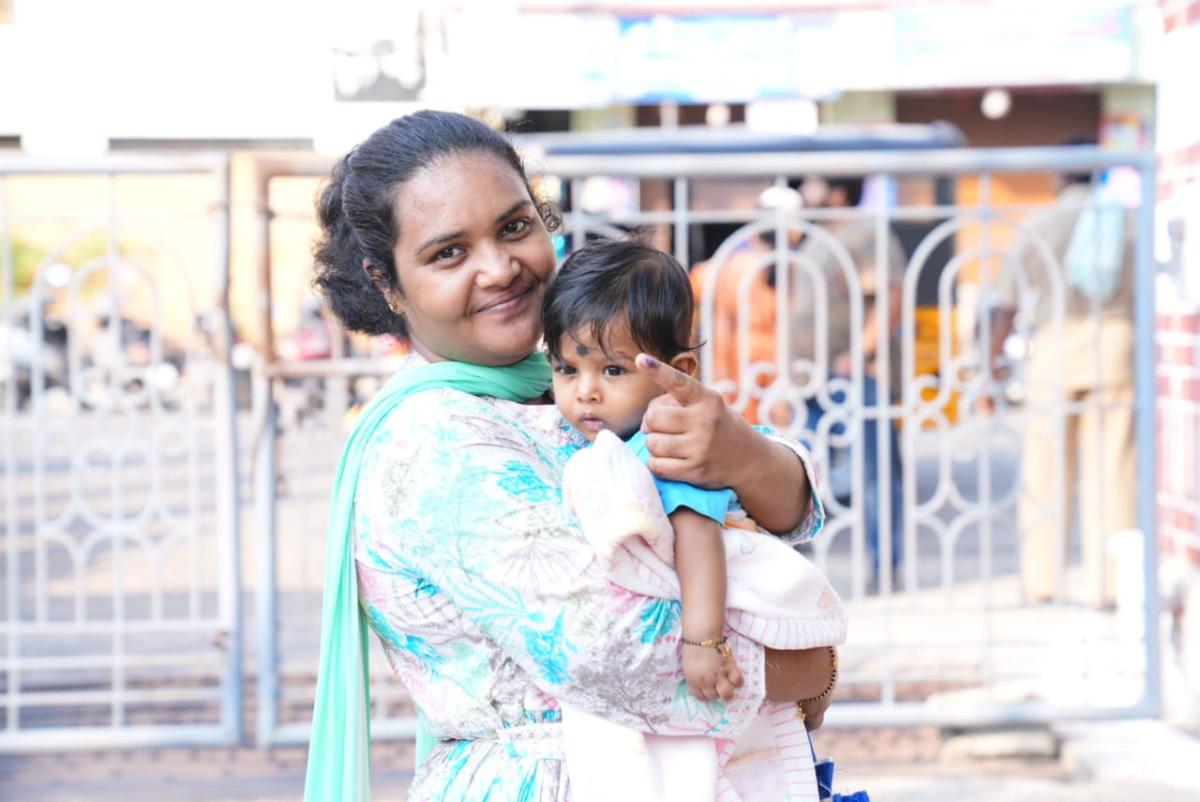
(459, 190)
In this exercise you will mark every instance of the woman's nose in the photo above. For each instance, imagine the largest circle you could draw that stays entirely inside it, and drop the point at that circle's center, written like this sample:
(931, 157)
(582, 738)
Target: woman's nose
(497, 268)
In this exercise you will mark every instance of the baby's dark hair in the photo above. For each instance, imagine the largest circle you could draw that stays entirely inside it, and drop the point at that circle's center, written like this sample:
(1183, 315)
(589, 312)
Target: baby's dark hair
(611, 281)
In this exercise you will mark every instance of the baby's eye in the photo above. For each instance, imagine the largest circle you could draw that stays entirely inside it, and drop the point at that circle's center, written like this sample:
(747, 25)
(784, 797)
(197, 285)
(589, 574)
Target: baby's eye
(515, 227)
(564, 370)
(614, 370)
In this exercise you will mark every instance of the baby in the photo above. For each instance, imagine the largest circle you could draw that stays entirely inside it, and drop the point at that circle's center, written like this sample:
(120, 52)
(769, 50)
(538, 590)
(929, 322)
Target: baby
(610, 302)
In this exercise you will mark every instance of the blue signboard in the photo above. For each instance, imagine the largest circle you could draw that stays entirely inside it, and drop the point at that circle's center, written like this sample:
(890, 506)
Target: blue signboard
(699, 59)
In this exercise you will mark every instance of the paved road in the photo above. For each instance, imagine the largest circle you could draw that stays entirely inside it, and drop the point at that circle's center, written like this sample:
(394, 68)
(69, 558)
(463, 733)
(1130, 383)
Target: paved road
(894, 765)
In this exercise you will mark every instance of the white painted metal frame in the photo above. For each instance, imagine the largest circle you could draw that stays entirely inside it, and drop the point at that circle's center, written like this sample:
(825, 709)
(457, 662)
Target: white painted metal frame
(886, 651)
(92, 655)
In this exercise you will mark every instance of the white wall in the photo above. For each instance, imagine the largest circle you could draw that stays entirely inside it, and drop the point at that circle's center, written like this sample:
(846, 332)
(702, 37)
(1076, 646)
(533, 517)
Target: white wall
(90, 71)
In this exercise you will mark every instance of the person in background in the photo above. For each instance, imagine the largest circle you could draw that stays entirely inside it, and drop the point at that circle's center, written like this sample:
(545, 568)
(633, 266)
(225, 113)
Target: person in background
(853, 252)
(1085, 361)
(750, 264)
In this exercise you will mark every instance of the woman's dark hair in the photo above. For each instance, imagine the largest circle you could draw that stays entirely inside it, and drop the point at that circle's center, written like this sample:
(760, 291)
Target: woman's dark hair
(608, 281)
(357, 209)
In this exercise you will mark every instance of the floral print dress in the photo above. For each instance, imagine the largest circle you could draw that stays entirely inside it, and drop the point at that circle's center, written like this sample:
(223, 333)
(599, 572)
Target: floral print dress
(491, 607)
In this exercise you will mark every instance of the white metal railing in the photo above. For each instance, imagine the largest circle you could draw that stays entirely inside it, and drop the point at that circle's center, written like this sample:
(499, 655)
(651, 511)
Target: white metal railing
(95, 639)
(121, 612)
(948, 639)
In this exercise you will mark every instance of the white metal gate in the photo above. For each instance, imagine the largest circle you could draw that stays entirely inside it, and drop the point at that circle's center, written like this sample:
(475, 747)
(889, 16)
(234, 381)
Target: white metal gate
(944, 637)
(120, 607)
(120, 518)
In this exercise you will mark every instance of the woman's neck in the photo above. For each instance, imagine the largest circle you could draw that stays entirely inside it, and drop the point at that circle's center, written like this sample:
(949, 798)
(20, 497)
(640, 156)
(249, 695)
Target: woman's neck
(431, 357)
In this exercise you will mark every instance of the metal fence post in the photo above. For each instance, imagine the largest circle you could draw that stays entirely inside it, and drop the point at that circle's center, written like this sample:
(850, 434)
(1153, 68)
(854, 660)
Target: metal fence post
(228, 518)
(266, 652)
(1147, 434)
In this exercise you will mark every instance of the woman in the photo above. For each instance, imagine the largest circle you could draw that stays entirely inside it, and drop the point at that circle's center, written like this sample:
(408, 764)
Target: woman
(485, 598)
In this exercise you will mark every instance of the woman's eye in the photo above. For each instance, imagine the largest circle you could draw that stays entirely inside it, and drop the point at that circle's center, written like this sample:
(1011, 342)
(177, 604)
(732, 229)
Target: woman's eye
(614, 370)
(515, 227)
(445, 254)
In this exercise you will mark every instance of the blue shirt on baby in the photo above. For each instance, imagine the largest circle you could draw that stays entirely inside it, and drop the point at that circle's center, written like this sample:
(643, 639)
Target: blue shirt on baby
(709, 503)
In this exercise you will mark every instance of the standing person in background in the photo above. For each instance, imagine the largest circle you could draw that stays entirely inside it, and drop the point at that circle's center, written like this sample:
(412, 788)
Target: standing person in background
(1085, 362)
(854, 239)
(744, 264)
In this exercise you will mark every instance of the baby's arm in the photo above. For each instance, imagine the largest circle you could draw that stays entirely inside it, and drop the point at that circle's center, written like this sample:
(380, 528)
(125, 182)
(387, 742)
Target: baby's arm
(711, 673)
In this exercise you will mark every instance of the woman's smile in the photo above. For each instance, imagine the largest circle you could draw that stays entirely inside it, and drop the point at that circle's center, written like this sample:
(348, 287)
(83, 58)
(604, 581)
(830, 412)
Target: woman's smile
(510, 303)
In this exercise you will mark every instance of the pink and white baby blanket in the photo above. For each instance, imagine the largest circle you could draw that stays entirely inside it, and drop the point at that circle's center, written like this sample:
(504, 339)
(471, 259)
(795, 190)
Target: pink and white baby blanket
(775, 597)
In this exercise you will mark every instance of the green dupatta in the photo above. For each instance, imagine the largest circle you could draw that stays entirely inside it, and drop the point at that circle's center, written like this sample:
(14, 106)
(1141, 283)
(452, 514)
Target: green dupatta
(339, 753)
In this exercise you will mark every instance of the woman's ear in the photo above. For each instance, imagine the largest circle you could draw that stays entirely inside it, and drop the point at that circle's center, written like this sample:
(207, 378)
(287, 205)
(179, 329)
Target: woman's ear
(377, 275)
(383, 283)
(686, 363)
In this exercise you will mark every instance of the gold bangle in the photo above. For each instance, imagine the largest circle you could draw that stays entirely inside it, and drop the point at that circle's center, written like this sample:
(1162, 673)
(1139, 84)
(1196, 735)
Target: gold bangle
(825, 694)
(721, 645)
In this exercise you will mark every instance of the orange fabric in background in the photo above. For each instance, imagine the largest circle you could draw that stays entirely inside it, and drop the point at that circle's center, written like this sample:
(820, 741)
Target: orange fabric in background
(761, 322)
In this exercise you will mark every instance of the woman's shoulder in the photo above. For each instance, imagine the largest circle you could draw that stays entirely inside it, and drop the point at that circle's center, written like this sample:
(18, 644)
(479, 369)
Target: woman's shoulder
(440, 414)
(453, 418)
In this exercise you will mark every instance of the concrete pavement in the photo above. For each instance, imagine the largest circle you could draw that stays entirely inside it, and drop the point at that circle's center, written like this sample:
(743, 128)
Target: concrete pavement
(1126, 761)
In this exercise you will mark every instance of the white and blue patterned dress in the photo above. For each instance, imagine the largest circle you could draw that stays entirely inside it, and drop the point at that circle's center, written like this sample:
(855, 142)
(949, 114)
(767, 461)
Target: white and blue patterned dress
(491, 607)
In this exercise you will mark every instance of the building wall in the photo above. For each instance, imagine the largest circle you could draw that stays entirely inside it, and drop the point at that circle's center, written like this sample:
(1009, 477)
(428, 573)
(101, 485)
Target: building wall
(1178, 138)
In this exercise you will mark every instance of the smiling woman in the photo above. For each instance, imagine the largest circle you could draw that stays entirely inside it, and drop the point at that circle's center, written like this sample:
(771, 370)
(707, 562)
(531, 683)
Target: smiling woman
(436, 207)
(476, 255)
(446, 534)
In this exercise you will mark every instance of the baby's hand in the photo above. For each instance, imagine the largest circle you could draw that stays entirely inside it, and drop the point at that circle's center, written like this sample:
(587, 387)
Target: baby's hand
(711, 674)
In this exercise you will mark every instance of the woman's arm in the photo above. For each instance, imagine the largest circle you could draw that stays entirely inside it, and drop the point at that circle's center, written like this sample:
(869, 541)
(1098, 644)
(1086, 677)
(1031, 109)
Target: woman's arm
(696, 438)
(806, 674)
(772, 483)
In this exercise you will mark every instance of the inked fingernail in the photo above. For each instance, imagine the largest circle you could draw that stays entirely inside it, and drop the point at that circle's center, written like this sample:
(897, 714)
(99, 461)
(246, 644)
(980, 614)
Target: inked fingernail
(649, 361)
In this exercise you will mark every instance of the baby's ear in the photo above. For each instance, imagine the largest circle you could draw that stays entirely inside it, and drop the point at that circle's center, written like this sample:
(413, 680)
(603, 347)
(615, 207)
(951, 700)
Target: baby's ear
(686, 363)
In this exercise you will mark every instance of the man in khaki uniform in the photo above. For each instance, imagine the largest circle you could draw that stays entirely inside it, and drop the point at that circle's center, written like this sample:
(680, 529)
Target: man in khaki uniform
(1080, 390)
